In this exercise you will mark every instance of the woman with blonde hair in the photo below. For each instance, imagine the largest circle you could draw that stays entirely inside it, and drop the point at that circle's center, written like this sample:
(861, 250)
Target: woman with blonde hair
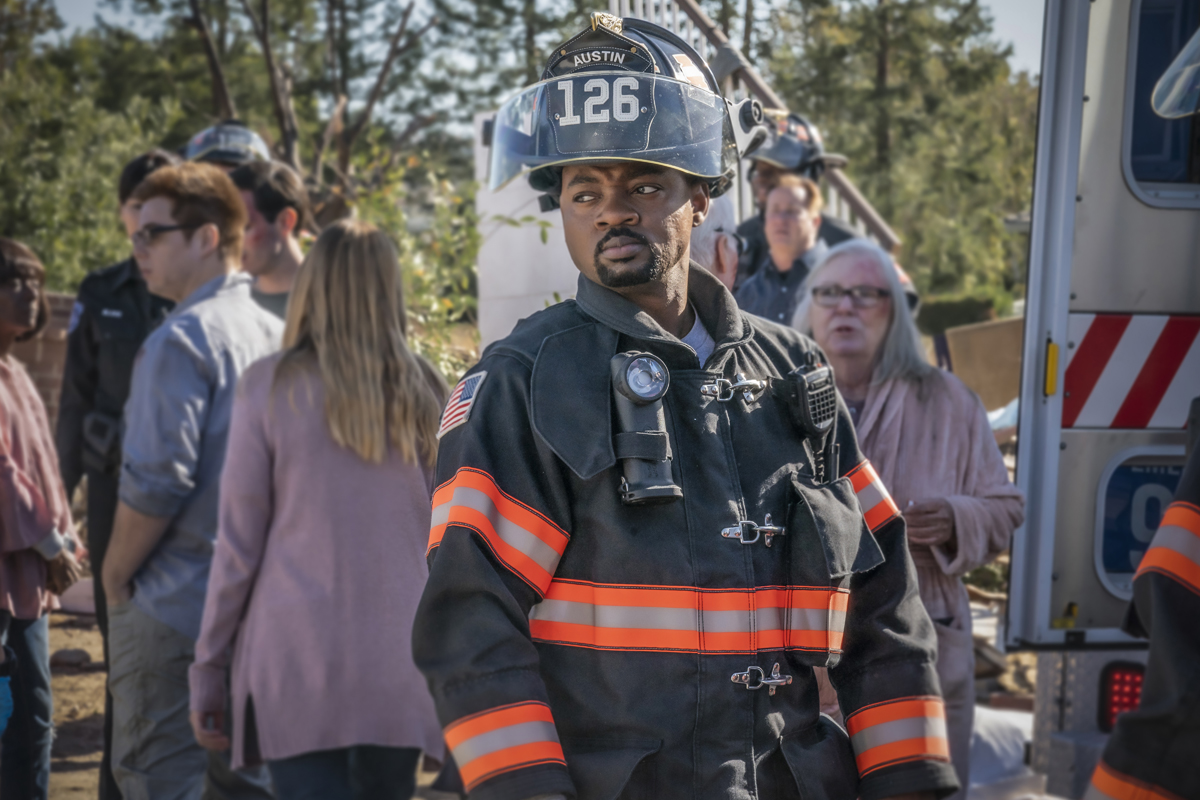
(320, 556)
(928, 437)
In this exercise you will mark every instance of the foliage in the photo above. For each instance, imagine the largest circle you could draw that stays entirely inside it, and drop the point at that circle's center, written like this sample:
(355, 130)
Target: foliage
(438, 257)
(939, 132)
(59, 158)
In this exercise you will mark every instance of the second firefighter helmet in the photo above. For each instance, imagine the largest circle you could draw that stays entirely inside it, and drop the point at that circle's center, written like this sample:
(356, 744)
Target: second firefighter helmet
(794, 145)
(623, 90)
(229, 142)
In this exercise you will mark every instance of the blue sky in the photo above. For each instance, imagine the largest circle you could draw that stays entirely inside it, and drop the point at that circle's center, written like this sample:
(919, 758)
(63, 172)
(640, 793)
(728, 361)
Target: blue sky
(1017, 21)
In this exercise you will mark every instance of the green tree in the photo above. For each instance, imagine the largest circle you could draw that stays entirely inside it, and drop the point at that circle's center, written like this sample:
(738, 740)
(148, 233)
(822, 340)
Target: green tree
(938, 130)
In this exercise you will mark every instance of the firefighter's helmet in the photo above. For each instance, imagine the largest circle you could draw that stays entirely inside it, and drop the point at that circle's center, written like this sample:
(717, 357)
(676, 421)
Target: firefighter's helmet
(794, 144)
(230, 142)
(623, 90)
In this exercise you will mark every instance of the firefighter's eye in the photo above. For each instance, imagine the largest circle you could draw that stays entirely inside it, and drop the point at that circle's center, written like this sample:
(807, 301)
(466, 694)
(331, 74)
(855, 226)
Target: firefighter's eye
(647, 188)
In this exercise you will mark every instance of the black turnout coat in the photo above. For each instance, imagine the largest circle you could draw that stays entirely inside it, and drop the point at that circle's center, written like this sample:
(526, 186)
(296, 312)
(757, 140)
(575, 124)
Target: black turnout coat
(1154, 751)
(575, 644)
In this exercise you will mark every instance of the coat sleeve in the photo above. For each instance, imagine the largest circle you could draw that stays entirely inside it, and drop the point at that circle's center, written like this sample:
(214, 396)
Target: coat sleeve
(79, 384)
(246, 510)
(990, 507)
(500, 523)
(886, 681)
(1151, 753)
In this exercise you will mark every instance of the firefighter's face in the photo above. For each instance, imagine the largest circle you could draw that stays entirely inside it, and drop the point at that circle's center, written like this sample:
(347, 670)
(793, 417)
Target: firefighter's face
(629, 224)
(852, 328)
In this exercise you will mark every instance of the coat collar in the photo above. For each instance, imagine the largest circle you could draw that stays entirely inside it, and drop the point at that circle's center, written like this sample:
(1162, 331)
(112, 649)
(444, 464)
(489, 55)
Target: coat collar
(713, 303)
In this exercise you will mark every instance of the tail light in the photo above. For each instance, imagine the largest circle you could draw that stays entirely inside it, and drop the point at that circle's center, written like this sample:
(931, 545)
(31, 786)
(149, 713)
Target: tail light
(1120, 691)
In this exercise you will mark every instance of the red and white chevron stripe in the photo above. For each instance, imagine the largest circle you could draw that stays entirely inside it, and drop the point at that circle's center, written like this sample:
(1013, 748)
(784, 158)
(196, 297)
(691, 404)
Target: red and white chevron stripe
(1130, 370)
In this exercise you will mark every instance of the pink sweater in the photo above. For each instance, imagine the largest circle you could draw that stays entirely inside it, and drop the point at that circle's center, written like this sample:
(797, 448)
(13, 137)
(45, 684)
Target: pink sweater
(32, 498)
(934, 441)
(318, 567)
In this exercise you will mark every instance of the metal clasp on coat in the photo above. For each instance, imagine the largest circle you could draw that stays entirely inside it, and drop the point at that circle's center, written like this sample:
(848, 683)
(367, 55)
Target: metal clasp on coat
(748, 532)
(755, 678)
(724, 390)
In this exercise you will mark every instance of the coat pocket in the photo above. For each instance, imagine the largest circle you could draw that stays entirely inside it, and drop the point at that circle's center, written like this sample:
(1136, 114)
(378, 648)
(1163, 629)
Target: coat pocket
(607, 768)
(828, 542)
(822, 761)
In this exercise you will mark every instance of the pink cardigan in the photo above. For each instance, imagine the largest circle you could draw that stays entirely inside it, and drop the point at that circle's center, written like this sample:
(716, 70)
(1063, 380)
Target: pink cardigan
(32, 498)
(318, 567)
(934, 441)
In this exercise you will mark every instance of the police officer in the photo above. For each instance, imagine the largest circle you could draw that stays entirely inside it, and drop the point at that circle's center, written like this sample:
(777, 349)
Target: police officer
(652, 520)
(228, 145)
(795, 147)
(113, 313)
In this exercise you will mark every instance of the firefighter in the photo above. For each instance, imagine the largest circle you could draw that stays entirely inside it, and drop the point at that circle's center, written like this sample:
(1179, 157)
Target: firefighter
(1152, 753)
(652, 520)
(794, 148)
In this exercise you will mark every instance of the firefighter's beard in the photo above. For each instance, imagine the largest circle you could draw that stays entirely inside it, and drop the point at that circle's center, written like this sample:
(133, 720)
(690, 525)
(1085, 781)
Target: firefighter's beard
(656, 260)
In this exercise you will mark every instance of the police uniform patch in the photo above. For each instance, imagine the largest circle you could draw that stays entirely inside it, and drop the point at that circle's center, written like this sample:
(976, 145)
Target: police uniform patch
(458, 407)
(76, 314)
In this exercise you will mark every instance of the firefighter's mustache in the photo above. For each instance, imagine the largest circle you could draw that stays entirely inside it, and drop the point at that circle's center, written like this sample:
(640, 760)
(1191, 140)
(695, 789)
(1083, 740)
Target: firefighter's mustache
(628, 233)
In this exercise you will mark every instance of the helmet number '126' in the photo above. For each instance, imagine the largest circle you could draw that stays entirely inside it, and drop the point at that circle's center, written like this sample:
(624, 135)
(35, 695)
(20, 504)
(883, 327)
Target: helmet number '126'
(625, 103)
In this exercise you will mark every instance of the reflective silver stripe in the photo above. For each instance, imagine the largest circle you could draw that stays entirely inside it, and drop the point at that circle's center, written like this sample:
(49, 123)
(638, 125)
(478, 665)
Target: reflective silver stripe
(597, 616)
(1181, 540)
(513, 535)
(686, 619)
(870, 495)
(441, 514)
(503, 738)
(725, 621)
(898, 731)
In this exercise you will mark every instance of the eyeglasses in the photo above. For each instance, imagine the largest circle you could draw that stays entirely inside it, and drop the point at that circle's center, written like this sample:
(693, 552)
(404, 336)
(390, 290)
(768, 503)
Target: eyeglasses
(15, 283)
(830, 295)
(144, 237)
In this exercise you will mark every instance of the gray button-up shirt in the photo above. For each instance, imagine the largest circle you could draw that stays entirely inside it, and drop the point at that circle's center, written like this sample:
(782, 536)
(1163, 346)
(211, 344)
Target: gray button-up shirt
(177, 421)
(775, 295)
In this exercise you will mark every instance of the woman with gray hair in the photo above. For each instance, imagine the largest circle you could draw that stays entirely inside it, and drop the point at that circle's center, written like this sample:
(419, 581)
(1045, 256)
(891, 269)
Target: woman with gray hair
(928, 437)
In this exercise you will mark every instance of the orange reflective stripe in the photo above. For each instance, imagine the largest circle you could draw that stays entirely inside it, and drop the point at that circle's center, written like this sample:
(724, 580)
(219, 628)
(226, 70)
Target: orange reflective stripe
(1108, 784)
(525, 541)
(897, 731)
(683, 618)
(877, 505)
(1175, 549)
(503, 739)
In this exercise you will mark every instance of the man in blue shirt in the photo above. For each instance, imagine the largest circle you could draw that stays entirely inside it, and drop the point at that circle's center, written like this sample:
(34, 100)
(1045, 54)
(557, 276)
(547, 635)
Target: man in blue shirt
(793, 222)
(188, 246)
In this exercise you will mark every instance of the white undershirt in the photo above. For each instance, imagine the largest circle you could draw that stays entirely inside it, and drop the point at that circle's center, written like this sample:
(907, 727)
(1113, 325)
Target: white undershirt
(699, 339)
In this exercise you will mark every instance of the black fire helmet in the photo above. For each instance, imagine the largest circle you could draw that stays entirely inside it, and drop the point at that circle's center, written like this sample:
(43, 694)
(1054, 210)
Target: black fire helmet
(794, 144)
(623, 90)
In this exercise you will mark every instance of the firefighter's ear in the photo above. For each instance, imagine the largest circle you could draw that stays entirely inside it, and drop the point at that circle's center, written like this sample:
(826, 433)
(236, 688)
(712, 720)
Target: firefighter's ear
(571, 397)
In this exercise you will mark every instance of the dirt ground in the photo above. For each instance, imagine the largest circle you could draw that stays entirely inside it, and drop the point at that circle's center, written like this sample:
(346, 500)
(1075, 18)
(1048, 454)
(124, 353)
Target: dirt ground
(78, 709)
(79, 713)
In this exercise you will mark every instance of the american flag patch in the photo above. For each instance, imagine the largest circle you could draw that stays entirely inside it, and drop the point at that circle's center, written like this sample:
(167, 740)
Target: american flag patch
(458, 407)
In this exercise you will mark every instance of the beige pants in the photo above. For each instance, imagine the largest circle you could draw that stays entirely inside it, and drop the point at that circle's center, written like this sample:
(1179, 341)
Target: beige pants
(154, 754)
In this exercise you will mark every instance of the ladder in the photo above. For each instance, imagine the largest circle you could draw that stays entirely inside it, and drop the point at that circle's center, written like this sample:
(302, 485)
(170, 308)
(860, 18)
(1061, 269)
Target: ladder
(686, 19)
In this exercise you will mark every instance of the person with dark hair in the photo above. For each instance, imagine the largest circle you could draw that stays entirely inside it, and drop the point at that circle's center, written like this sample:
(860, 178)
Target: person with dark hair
(277, 206)
(36, 534)
(189, 247)
(113, 314)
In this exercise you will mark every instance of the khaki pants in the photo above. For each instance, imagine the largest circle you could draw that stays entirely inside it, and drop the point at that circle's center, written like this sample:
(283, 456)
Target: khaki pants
(154, 754)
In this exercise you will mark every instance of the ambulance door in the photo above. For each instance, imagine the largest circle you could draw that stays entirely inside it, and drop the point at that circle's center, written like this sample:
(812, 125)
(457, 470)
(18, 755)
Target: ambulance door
(1111, 353)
